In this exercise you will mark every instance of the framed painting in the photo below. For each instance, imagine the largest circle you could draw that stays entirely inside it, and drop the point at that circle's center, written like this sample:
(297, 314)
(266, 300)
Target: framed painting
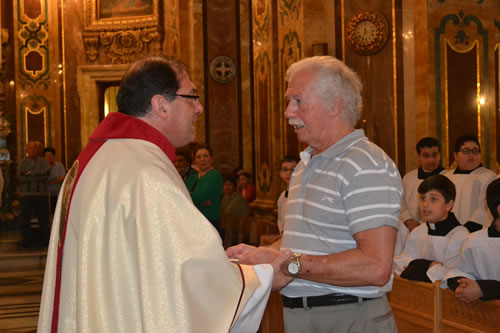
(106, 15)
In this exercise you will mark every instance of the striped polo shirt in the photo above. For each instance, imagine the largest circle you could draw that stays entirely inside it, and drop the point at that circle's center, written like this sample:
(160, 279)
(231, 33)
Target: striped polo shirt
(350, 187)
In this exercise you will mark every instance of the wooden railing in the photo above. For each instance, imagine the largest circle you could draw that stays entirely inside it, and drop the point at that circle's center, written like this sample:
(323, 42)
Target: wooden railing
(423, 307)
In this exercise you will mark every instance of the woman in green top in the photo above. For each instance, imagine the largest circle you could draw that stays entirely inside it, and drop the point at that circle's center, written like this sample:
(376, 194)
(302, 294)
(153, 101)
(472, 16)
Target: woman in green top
(205, 186)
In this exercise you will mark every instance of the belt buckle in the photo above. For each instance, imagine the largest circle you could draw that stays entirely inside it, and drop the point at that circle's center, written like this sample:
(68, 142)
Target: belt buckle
(304, 303)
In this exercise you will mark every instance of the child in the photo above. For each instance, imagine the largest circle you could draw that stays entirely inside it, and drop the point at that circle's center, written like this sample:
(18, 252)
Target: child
(476, 274)
(433, 246)
(288, 164)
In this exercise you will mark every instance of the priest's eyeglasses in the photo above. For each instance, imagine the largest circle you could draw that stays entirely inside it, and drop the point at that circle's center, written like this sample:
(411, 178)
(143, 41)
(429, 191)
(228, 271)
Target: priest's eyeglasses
(195, 98)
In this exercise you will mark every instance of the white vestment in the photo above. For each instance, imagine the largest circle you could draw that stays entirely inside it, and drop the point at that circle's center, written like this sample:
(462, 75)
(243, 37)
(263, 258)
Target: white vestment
(137, 255)
(409, 202)
(478, 258)
(443, 249)
(470, 203)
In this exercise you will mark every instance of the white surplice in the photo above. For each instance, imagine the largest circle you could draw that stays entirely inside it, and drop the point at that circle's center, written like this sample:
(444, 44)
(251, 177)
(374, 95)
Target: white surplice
(442, 249)
(478, 259)
(470, 202)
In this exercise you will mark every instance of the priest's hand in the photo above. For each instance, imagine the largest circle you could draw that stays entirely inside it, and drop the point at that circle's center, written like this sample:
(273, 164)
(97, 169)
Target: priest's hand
(239, 251)
(468, 290)
(280, 279)
(249, 255)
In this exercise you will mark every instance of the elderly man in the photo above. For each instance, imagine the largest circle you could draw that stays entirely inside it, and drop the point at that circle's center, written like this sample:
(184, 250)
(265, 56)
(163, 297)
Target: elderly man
(129, 251)
(32, 174)
(471, 180)
(342, 210)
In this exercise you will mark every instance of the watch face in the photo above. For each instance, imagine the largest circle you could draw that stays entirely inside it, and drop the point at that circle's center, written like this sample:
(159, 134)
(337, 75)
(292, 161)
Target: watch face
(293, 268)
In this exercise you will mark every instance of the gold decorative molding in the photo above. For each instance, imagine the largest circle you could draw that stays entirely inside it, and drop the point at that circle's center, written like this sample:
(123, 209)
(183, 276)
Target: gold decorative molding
(445, 125)
(124, 32)
(88, 78)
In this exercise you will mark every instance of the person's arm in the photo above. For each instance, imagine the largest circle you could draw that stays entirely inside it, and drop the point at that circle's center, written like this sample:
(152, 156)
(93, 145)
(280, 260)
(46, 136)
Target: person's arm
(490, 289)
(417, 270)
(370, 263)
(60, 172)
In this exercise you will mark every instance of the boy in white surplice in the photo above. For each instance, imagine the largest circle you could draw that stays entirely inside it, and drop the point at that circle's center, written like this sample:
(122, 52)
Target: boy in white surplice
(477, 272)
(432, 247)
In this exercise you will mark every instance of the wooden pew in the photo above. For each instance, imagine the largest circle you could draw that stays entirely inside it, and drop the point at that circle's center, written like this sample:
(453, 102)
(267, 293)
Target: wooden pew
(477, 316)
(415, 305)
(423, 307)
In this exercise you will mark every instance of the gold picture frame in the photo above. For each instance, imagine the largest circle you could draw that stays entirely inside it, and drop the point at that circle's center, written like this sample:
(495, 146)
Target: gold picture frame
(112, 15)
(125, 29)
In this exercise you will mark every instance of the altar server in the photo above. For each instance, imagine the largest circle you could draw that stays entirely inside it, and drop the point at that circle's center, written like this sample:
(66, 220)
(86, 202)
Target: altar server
(433, 246)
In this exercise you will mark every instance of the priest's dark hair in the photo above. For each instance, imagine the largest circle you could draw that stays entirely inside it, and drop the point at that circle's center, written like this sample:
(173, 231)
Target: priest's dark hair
(156, 75)
(493, 197)
(463, 139)
(441, 184)
(427, 142)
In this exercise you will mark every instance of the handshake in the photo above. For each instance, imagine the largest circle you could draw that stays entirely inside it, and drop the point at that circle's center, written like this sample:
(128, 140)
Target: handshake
(251, 255)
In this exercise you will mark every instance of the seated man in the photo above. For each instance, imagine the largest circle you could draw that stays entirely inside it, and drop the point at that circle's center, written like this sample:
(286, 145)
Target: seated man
(432, 246)
(476, 275)
(429, 161)
(470, 180)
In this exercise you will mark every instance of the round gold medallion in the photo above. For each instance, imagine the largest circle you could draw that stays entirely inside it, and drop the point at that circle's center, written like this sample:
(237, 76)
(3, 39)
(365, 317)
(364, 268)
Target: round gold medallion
(367, 32)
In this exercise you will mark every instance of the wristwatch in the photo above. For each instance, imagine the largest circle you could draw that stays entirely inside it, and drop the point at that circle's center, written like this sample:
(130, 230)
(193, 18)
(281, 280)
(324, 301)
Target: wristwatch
(294, 266)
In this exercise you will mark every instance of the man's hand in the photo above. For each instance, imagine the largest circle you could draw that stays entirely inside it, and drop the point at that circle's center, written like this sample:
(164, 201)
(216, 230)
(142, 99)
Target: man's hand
(468, 290)
(280, 279)
(411, 224)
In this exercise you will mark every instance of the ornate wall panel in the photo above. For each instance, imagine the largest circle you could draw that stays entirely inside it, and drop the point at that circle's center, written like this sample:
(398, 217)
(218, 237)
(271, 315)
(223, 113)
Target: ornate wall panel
(266, 103)
(461, 57)
(124, 32)
(381, 73)
(497, 91)
(38, 76)
(223, 82)
(290, 32)
(497, 99)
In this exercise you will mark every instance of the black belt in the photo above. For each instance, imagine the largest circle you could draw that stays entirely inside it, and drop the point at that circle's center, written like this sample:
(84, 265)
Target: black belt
(323, 300)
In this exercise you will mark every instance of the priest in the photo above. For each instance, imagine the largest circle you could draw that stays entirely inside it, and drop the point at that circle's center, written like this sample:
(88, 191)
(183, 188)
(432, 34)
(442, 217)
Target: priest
(129, 252)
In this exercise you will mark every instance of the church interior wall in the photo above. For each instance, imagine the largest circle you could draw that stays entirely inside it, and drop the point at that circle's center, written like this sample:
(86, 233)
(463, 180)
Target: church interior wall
(406, 93)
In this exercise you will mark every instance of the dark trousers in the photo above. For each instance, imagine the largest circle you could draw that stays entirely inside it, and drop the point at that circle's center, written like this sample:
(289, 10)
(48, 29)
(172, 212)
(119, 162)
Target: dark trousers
(34, 206)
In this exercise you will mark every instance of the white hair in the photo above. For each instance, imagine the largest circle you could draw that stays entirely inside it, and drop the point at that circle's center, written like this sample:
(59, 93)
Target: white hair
(334, 80)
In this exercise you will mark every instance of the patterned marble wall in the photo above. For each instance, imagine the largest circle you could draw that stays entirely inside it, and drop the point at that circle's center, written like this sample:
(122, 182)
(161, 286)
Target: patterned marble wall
(381, 72)
(38, 76)
(277, 43)
(223, 82)
(462, 49)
